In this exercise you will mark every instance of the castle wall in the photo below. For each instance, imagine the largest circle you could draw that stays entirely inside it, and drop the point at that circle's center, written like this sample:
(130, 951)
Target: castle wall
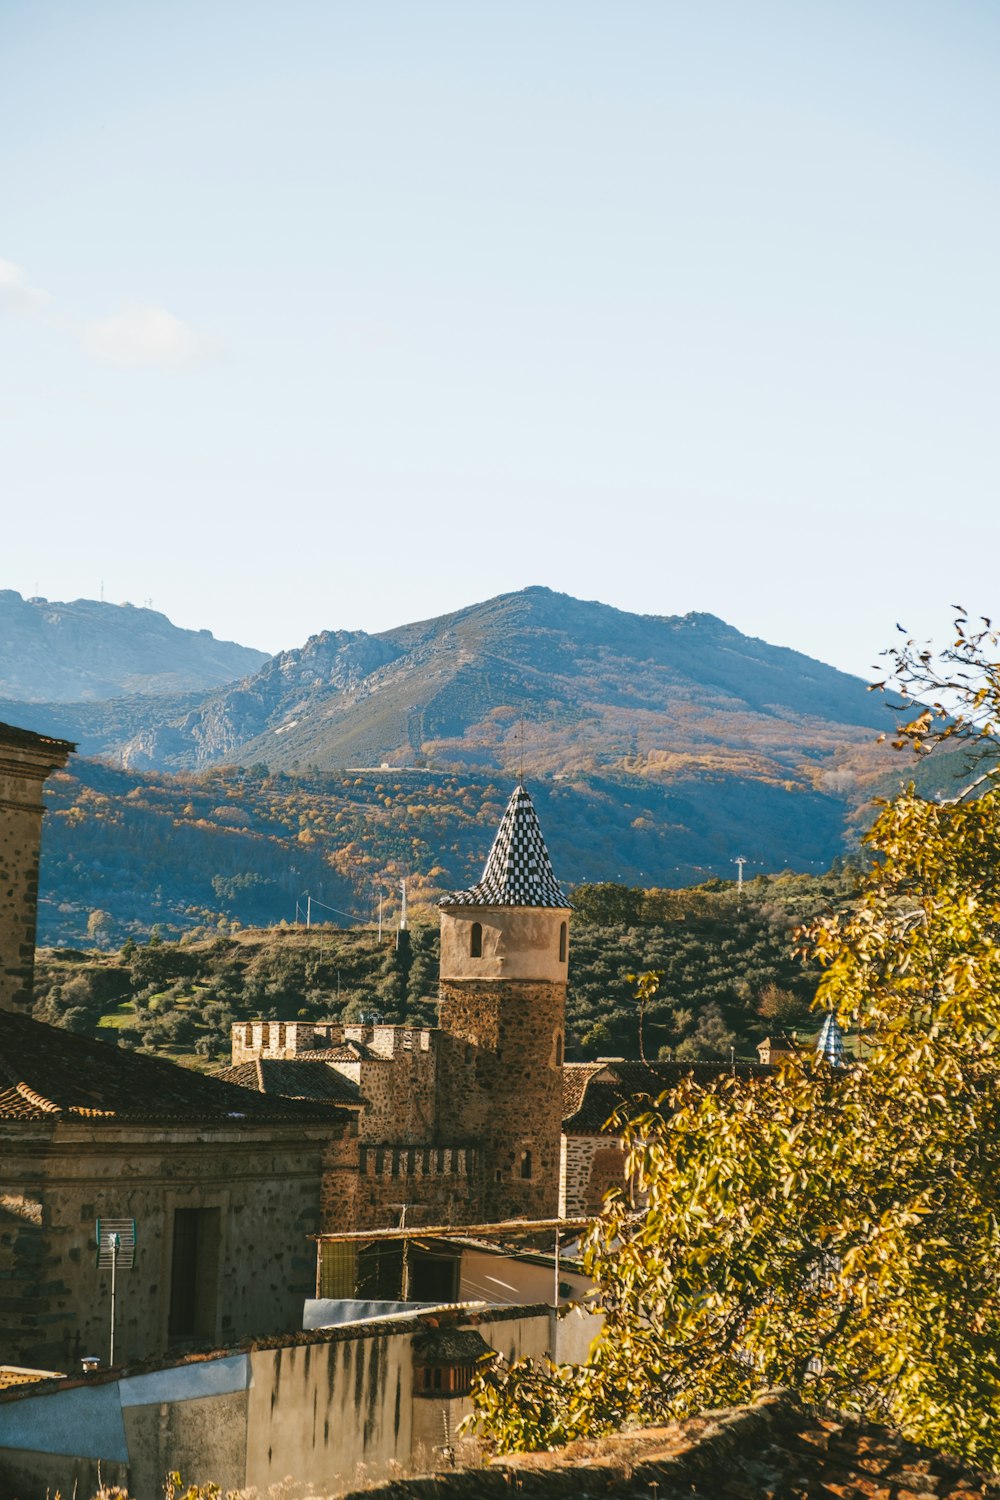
(25, 761)
(282, 1039)
(500, 1081)
(366, 1186)
(59, 1177)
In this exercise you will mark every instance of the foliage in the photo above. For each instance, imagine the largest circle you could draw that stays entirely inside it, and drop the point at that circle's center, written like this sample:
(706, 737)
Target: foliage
(721, 966)
(238, 844)
(833, 1230)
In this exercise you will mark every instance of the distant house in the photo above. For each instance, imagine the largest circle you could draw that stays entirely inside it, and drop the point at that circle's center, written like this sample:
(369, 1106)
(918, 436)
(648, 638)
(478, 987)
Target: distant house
(773, 1048)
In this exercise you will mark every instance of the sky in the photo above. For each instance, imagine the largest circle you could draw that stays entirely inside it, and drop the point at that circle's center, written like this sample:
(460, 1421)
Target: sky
(335, 315)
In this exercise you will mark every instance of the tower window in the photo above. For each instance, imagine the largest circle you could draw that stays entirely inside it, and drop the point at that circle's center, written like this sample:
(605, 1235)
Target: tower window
(559, 1050)
(525, 1163)
(562, 942)
(476, 940)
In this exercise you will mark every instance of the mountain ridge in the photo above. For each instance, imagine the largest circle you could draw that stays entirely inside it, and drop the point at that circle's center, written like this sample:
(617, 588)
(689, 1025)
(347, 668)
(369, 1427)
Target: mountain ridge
(85, 650)
(563, 684)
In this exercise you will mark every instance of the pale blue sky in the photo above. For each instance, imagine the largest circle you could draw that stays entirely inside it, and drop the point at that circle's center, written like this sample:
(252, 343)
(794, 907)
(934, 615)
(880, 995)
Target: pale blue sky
(344, 314)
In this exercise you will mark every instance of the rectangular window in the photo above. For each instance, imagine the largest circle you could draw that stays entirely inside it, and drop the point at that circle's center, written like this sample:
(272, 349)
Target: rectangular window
(194, 1273)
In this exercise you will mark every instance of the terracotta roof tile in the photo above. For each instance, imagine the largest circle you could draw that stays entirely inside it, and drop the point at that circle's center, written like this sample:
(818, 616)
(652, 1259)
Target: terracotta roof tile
(48, 1073)
(776, 1447)
(589, 1101)
(293, 1078)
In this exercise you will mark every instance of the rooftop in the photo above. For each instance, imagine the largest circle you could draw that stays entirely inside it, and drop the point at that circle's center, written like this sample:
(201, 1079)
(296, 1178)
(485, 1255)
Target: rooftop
(47, 1073)
(11, 734)
(777, 1449)
(518, 871)
(294, 1078)
(593, 1091)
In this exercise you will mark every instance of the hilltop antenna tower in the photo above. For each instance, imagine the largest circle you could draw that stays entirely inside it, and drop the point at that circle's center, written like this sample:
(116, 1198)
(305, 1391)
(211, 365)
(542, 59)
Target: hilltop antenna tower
(739, 862)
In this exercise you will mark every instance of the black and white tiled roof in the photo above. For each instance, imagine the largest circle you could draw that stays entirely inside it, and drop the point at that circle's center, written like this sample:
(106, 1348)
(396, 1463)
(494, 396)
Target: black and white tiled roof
(518, 871)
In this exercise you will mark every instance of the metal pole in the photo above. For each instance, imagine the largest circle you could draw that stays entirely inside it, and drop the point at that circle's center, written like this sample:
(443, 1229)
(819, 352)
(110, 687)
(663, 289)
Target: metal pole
(114, 1241)
(555, 1300)
(309, 911)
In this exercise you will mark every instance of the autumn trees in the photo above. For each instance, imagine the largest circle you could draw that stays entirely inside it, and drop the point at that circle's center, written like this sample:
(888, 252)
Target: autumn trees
(836, 1230)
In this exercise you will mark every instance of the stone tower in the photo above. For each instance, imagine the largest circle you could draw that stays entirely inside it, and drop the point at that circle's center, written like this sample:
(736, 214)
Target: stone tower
(25, 761)
(504, 962)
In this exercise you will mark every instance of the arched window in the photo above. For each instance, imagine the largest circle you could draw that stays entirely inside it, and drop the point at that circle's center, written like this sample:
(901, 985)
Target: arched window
(476, 940)
(559, 1050)
(525, 1163)
(248, 1037)
(562, 942)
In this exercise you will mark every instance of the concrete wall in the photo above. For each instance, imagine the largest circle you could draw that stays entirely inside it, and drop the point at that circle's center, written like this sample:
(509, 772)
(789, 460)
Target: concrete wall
(24, 765)
(57, 1179)
(330, 1410)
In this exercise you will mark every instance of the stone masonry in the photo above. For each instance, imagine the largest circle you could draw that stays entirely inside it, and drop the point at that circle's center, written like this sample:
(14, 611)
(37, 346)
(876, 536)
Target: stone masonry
(25, 761)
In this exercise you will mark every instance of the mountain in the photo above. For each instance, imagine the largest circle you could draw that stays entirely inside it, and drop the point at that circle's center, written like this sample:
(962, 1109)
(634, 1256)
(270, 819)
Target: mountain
(657, 749)
(558, 684)
(55, 653)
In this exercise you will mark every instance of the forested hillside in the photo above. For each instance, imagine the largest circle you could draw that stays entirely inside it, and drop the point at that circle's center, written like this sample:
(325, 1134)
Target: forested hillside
(243, 844)
(729, 974)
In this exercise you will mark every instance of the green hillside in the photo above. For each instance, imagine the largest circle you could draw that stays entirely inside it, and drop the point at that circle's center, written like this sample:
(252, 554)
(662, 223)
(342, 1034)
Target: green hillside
(729, 969)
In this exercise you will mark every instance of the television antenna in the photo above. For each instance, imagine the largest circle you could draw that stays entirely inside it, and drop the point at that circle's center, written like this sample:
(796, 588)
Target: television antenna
(115, 1250)
(739, 862)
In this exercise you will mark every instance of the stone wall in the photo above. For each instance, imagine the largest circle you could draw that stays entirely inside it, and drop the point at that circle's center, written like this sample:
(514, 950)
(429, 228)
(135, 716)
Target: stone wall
(25, 761)
(591, 1164)
(500, 1082)
(59, 1177)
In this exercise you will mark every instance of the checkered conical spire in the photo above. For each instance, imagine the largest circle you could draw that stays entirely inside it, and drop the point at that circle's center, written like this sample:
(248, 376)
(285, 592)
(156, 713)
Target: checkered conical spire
(830, 1043)
(518, 871)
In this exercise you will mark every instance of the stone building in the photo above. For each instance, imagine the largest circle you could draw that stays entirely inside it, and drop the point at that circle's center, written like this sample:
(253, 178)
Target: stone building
(223, 1186)
(458, 1123)
(25, 761)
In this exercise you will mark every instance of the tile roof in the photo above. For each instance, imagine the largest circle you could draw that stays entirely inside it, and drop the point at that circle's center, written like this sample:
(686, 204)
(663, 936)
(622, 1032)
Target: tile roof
(778, 1447)
(293, 1078)
(518, 871)
(48, 1073)
(12, 734)
(593, 1091)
